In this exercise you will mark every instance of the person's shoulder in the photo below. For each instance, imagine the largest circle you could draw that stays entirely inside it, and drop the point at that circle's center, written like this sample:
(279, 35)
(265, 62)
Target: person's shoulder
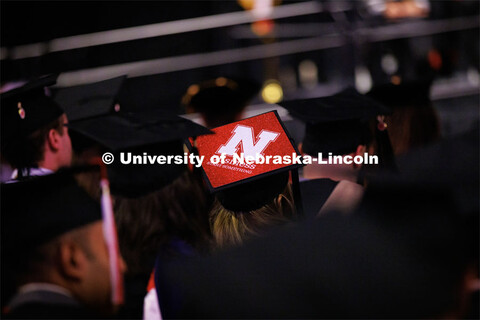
(40, 310)
(314, 193)
(323, 183)
(345, 197)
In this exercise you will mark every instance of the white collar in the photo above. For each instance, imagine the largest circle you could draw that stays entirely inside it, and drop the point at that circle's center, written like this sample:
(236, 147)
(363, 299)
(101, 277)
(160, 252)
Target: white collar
(43, 286)
(31, 172)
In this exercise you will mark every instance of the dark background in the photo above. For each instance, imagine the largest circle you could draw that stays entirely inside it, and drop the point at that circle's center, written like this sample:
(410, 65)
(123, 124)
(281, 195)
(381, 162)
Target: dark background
(455, 91)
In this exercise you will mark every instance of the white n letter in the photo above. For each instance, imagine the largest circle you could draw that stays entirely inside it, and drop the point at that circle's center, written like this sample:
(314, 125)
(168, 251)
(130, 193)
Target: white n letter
(243, 137)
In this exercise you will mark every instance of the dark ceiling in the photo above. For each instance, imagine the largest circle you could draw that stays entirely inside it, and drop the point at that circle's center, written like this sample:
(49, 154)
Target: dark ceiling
(28, 22)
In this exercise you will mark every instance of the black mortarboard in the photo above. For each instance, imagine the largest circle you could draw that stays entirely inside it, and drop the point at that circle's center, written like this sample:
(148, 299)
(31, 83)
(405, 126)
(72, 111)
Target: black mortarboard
(220, 99)
(152, 132)
(40, 208)
(220, 94)
(27, 109)
(90, 100)
(410, 93)
(129, 130)
(337, 123)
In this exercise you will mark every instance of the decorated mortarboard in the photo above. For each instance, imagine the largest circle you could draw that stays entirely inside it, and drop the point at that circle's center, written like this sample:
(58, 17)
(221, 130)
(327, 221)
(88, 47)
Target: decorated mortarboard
(90, 100)
(337, 123)
(28, 108)
(147, 134)
(245, 182)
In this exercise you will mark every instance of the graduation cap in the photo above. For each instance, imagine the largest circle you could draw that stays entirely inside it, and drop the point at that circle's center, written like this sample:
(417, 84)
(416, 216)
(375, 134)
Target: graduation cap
(90, 100)
(41, 208)
(27, 108)
(414, 119)
(220, 99)
(148, 132)
(238, 185)
(407, 93)
(38, 209)
(337, 123)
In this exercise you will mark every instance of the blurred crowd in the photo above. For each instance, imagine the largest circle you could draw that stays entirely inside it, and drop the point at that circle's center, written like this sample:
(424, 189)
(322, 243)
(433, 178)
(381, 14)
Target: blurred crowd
(85, 237)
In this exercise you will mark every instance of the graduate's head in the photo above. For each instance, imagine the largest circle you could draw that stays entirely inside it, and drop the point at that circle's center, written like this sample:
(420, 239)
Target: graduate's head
(88, 101)
(250, 209)
(414, 120)
(155, 202)
(251, 195)
(53, 233)
(34, 131)
(221, 100)
(336, 124)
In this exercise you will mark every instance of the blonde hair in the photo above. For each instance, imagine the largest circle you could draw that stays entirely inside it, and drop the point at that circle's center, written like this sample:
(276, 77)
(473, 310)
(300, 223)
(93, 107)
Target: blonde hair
(233, 228)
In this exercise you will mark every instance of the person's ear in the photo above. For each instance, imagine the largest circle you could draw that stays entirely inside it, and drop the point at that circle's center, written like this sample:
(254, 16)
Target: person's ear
(361, 149)
(300, 148)
(53, 140)
(73, 260)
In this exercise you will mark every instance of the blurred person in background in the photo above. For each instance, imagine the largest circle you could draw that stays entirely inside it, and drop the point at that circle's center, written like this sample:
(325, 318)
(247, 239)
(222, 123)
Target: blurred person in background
(161, 210)
(401, 255)
(414, 121)
(340, 124)
(221, 100)
(35, 139)
(54, 251)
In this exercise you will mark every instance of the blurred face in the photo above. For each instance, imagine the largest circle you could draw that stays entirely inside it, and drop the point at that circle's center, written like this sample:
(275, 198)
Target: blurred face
(97, 286)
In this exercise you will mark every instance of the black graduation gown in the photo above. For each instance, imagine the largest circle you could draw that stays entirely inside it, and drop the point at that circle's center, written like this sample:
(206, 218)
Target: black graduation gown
(44, 304)
(314, 194)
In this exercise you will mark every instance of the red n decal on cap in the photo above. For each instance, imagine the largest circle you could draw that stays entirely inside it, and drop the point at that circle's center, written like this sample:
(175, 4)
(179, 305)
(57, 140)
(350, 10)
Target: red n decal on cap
(261, 139)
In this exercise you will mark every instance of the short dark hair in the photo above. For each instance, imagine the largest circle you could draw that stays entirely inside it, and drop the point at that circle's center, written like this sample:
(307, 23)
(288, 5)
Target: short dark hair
(27, 151)
(34, 264)
(147, 224)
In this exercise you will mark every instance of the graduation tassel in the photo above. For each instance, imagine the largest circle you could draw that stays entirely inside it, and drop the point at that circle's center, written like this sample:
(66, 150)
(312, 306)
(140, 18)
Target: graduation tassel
(385, 149)
(110, 235)
(296, 193)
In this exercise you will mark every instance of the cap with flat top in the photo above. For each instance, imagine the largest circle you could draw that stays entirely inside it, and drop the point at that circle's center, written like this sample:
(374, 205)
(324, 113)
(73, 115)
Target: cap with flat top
(27, 108)
(153, 133)
(90, 100)
(40, 208)
(337, 123)
(247, 186)
(220, 94)
(220, 100)
(409, 93)
(130, 130)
